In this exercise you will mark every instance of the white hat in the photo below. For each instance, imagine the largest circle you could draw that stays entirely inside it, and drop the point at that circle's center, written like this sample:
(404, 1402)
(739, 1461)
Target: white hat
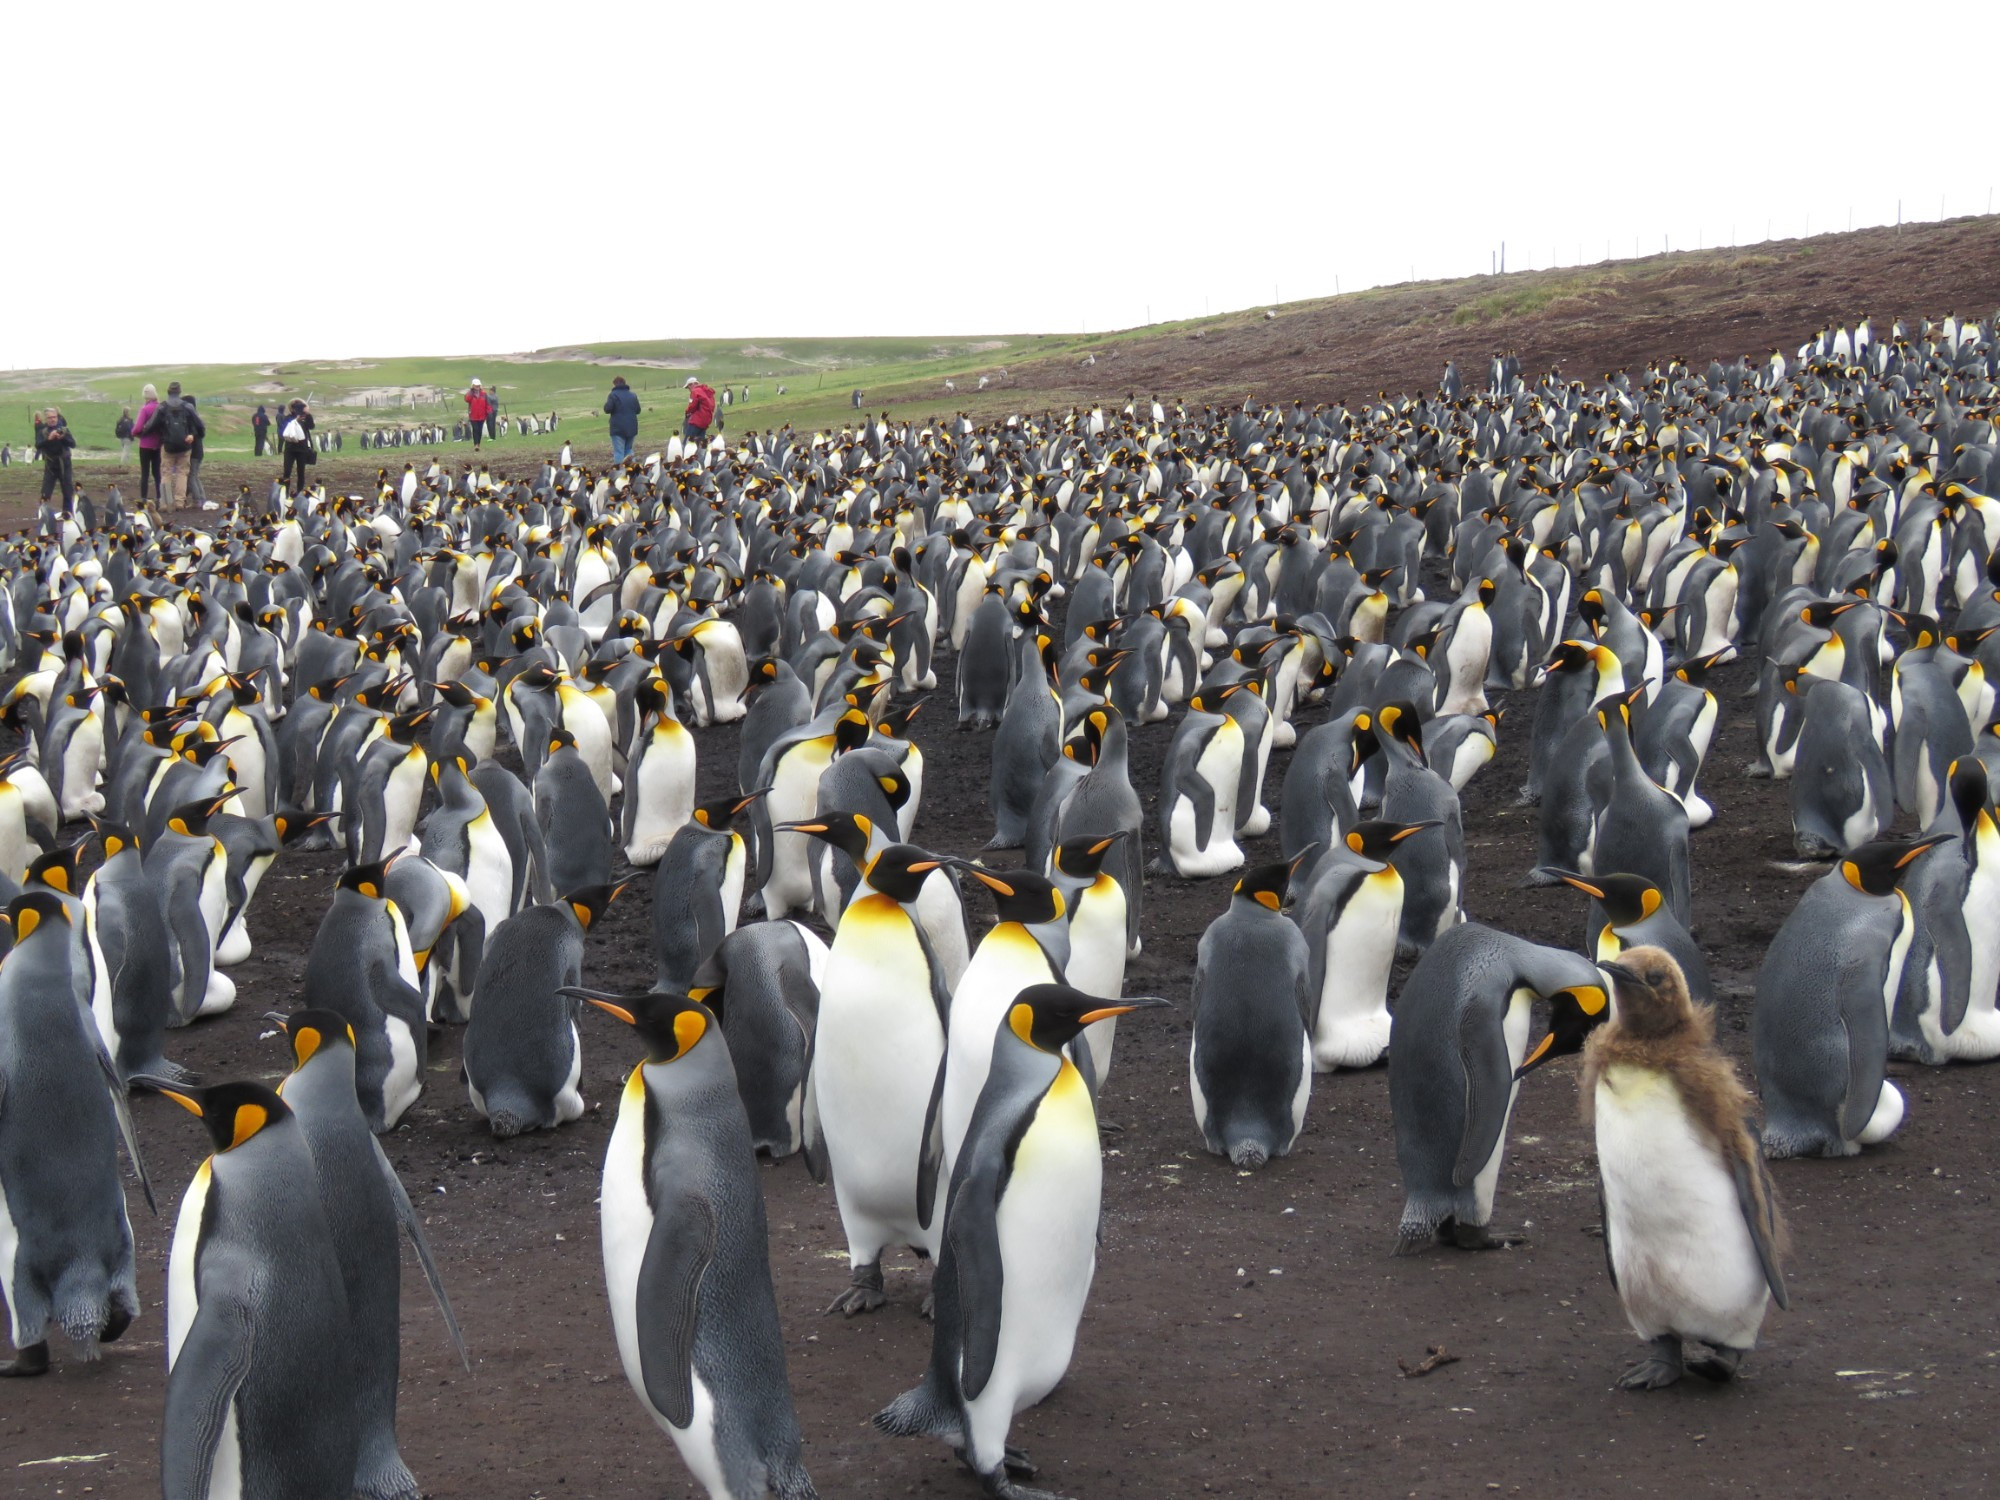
(475, 380)
(688, 382)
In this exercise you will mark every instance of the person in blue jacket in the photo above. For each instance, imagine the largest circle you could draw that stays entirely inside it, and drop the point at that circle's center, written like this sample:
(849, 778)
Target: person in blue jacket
(622, 406)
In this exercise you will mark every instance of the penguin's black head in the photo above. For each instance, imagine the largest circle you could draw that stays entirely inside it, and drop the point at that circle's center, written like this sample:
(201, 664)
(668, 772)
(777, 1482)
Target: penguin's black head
(718, 816)
(201, 752)
(293, 824)
(1019, 895)
(1574, 1013)
(1266, 884)
(1971, 792)
(59, 870)
(366, 880)
(35, 909)
(896, 722)
(310, 1030)
(847, 832)
(1083, 857)
(233, 1112)
(115, 837)
(1874, 869)
(560, 739)
(1625, 898)
(191, 818)
(1399, 722)
(671, 1025)
(589, 903)
(851, 732)
(900, 870)
(1378, 840)
(1050, 1016)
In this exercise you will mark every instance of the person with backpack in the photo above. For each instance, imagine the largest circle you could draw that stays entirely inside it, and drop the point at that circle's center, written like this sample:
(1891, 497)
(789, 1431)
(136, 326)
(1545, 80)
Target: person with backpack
(123, 432)
(260, 429)
(149, 443)
(479, 411)
(178, 426)
(297, 437)
(622, 406)
(54, 443)
(700, 411)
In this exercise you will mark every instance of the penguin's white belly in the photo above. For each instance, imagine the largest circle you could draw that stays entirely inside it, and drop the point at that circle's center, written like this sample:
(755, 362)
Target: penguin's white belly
(1221, 766)
(585, 720)
(569, 1102)
(221, 991)
(225, 1476)
(1474, 751)
(1008, 961)
(1471, 649)
(183, 1297)
(1047, 1228)
(727, 671)
(732, 885)
(489, 872)
(1352, 1029)
(10, 1250)
(626, 1224)
(83, 756)
(1097, 963)
(1515, 1030)
(1861, 825)
(942, 915)
(794, 795)
(401, 798)
(100, 1012)
(404, 1082)
(1685, 1260)
(664, 789)
(872, 1098)
(1977, 1037)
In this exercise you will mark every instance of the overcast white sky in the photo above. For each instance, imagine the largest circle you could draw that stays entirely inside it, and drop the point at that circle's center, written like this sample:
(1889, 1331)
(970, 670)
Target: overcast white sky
(488, 177)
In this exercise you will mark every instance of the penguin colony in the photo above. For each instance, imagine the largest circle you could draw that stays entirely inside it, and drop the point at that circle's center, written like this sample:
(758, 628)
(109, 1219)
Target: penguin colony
(482, 691)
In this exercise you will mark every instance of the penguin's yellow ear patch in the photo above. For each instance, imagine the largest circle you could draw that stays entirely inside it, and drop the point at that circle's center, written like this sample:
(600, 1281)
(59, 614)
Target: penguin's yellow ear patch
(305, 1042)
(690, 1026)
(113, 844)
(1268, 898)
(1021, 1021)
(369, 889)
(1649, 902)
(250, 1118)
(26, 923)
(1589, 997)
(1851, 873)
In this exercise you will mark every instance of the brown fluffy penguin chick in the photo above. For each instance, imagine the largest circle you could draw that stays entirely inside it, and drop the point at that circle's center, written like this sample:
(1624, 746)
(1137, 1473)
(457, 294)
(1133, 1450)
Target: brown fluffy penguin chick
(1692, 1231)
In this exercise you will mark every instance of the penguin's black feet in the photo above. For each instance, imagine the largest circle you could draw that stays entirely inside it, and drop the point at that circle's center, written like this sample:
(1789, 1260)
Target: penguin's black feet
(1109, 1127)
(1017, 1463)
(864, 1293)
(999, 841)
(29, 1361)
(1660, 1368)
(1484, 1237)
(1412, 1238)
(1719, 1366)
(115, 1323)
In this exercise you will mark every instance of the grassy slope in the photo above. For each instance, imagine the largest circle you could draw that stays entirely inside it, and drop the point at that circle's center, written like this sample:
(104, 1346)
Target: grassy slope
(1328, 348)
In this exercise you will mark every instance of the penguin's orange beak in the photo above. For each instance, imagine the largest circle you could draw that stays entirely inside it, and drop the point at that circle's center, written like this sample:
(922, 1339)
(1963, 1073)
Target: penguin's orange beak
(1125, 1007)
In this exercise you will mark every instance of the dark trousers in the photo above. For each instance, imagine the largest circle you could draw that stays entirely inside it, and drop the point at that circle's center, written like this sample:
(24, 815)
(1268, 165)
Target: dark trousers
(56, 475)
(149, 464)
(297, 456)
(691, 433)
(260, 434)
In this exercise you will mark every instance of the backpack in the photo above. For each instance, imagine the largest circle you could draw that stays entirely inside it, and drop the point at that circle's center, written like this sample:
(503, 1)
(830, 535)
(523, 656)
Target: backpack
(123, 430)
(175, 427)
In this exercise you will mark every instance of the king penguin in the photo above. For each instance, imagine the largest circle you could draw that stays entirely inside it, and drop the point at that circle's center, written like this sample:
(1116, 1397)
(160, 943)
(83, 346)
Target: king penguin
(1349, 916)
(362, 968)
(697, 892)
(366, 1208)
(66, 1250)
(879, 1043)
(1825, 997)
(1020, 1248)
(1628, 911)
(523, 1058)
(261, 1369)
(133, 965)
(1250, 1063)
(1457, 1049)
(687, 1262)
(762, 982)
(1692, 1232)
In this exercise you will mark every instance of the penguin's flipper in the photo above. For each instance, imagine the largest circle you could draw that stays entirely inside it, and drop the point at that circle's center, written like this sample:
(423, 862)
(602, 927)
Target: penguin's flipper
(677, 1255)
(189, 928)
(1753, 1195)
(973, 1226)
(214, 1358)
(121, 1106)
(930, 1156)
(406, 1215)
(1865, 1030)
(1489, 1081)
(1604, 1221)
(810, 1150)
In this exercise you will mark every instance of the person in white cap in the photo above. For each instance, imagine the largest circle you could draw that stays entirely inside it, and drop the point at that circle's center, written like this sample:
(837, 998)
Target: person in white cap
(479, 411)
(700, 410)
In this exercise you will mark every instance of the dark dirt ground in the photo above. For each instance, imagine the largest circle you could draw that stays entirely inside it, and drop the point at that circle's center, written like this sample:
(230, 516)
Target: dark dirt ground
(1245, 1330)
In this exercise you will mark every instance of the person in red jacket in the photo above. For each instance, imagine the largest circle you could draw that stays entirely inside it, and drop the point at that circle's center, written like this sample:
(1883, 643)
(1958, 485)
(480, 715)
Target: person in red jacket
(700, 412)
(479, 411)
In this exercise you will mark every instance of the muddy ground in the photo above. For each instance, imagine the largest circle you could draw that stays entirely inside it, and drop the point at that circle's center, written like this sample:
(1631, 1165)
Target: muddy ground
(1245, 1331)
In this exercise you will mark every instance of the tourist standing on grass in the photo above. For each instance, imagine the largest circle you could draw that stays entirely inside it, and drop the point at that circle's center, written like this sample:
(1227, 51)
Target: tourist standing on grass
(196, 494)
(700, 411)
(53, 442)
(260, 429)
(123, 432)
(622, 406)
(298, 443)
(179, 427)
(479, 411)
(149, 443)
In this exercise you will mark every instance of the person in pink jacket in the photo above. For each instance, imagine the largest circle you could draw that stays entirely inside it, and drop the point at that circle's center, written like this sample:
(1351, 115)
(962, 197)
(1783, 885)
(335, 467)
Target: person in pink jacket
(149, 444)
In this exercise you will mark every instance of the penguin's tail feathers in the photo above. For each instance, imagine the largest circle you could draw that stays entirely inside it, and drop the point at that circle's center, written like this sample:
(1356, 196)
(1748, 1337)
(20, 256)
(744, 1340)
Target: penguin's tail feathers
(83, 1316)
(506, 1124)
(1542, 875)
(1249, 1154)
(920, 1413)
